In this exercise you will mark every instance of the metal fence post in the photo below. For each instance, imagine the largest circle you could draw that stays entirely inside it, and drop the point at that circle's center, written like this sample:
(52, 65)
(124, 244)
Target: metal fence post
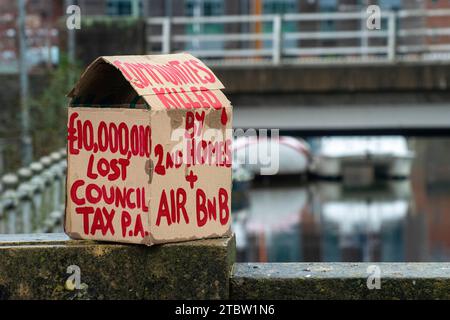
(9, 203)
(392, 37)
(26, 140)
(166, 35)
(364, 37)
(2, 155)
(277, 40)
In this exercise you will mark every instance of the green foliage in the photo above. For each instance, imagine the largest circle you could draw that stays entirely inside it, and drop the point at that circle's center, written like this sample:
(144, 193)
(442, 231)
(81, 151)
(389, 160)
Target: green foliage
(49, 110)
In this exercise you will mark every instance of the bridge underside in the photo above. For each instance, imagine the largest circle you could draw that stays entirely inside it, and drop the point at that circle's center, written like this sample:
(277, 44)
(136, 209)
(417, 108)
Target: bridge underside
(408, 99)
(403, 119)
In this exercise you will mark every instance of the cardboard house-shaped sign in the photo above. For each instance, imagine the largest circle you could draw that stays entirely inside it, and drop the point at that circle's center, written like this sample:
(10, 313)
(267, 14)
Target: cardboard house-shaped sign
(149, 151)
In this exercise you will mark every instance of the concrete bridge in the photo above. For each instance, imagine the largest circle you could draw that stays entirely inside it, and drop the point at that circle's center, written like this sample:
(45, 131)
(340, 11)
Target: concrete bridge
(300, 78)
(402, 98)
(39, 266)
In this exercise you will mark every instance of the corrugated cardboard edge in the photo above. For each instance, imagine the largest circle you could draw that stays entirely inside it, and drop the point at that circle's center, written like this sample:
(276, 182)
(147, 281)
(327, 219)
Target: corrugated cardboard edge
(149, 240)
(68, 216)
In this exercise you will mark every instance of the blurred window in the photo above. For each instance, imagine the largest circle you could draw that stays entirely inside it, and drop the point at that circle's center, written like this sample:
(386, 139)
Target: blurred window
(328, 5)
(199, 8)
(120, 7)
(390, 4)
(204, 7)
(280, 6)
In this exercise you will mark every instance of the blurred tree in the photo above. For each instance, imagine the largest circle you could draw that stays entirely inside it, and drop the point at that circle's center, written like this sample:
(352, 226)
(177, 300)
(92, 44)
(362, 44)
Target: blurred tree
(49, 112)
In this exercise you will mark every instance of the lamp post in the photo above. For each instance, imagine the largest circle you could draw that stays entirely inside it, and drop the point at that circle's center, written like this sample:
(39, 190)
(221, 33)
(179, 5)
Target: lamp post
(197, 13)
(71, 46)
(135, 9)
(26, 142)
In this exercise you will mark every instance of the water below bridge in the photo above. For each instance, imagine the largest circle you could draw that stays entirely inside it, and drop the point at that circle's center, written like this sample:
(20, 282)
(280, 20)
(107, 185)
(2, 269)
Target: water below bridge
(290, 220)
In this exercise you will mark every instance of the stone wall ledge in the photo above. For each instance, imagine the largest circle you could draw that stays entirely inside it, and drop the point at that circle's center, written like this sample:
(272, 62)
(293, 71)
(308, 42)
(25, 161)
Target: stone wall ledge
(340, 281)
(329, 78)
(36, 267)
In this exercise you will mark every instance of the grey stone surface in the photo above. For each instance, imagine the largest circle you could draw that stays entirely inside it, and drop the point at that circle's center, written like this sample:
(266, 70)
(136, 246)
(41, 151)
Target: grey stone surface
(35, 267)
(339, 281)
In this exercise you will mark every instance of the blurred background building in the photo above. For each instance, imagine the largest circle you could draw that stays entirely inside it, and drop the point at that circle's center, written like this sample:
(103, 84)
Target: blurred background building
(46, 35)
(43, 15)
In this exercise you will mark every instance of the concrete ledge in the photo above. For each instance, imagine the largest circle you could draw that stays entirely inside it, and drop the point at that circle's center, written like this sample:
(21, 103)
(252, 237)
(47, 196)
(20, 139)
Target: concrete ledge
(400, 77)
(35, 267)
(339, 281)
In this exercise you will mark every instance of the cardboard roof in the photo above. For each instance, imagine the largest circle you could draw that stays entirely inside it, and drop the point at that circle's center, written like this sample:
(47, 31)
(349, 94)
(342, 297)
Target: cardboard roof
(116, 80)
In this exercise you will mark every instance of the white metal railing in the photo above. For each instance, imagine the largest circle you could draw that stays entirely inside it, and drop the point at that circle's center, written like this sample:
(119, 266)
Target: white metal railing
(404, 35)
(32, 199)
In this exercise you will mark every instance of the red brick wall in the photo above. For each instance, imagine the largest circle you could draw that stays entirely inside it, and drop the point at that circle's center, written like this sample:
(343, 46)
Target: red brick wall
(438, 22)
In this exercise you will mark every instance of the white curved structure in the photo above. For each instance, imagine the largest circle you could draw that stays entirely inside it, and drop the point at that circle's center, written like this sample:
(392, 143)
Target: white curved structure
(285, 155)
(389, 154)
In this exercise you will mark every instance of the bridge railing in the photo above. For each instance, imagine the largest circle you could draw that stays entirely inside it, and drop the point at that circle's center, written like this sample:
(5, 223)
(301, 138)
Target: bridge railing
(32, 199)
(306, 37)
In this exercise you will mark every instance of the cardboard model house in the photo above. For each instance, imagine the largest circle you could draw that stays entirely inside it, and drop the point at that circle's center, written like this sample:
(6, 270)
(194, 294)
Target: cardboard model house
(149, 151)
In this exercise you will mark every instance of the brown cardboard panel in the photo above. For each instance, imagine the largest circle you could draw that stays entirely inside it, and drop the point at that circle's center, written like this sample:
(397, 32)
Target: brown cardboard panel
(192, 200)
(108, 187)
